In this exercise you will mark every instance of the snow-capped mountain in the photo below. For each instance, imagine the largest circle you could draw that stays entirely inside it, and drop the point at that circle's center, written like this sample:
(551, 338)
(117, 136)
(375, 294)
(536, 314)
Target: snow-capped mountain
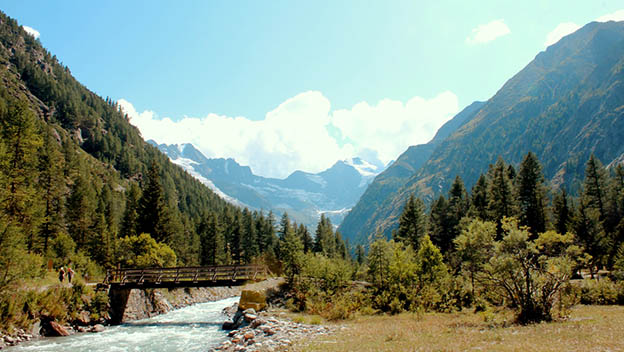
(305, 196)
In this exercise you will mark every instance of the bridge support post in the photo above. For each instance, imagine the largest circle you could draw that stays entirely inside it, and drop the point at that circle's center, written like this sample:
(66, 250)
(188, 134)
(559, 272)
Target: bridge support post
(118, 299)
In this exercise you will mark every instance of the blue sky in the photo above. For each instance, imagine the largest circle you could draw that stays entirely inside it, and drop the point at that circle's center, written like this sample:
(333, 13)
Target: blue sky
(368, 77)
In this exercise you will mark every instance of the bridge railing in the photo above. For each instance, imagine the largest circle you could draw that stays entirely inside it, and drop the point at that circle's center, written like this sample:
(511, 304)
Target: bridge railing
(185, 274)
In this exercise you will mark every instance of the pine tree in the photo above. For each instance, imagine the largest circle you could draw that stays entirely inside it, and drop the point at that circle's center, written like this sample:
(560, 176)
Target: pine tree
(22, 203)
(153, 213)
(412, 223)
(130, 222)
(360, 254)
(594, 186)
(500, 194)
(250, 248)
(531, 195)
(53, 185)
(306, 238)
(81, 211)
(479, 199)
(324, 241)
(591, 235)
(439, 221)
(212, 241)
(562, 214)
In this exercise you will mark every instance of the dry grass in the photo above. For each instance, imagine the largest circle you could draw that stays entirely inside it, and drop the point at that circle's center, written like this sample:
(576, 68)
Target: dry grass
(589, 328)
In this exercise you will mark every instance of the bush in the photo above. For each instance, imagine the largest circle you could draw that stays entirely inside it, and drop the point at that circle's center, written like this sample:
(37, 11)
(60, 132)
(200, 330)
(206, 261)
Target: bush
(601, 292)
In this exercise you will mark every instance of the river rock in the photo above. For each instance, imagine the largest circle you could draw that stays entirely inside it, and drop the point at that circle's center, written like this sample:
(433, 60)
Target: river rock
(249, 335)
(97, 328)
(57, 329)
(252, 299)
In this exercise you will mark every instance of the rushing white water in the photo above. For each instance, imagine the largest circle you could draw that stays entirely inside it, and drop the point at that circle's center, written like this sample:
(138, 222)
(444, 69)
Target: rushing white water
(193, 328)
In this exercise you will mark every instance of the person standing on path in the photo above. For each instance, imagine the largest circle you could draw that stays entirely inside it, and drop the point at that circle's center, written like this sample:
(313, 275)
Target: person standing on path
(70, 274)
(61, 275)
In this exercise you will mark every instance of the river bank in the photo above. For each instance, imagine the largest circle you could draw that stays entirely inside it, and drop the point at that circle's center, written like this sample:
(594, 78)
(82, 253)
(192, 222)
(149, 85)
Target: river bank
(142, 304)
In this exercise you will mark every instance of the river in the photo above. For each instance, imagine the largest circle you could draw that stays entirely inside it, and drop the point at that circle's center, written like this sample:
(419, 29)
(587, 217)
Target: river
(193, 328)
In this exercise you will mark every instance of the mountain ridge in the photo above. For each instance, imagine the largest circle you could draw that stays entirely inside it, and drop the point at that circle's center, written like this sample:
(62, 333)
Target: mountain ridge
(564, 105)
(303, 195)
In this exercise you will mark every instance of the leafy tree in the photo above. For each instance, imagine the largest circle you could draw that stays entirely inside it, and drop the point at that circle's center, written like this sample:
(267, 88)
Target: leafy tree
(143, 251)
(528, 275)
(475, 246)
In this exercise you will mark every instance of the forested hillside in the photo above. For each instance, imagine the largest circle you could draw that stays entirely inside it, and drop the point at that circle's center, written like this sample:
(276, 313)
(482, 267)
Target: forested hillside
(563, 106)
(79, 185)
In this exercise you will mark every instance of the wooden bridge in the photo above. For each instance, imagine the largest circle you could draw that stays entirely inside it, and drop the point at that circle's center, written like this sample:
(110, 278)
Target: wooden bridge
(208, 276)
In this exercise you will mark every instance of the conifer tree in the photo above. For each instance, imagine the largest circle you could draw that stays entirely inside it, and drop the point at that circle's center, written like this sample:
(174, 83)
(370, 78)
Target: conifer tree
(500, 194)
(306, 238)
(153, 212)
(412, 223)
(562, 213)
(324, 241)
(212, 241)
(250, 248)
(130, 222)
(531, 195)
(594, 186)
(439, 221)
(479, 199)
(53, 185)
(360, 254)
(81, 212)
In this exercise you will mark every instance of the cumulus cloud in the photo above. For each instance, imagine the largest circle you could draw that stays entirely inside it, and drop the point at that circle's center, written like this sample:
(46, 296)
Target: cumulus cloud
(296, 135)
(485, 33)
(614, 16)
(559, 32)
(31, 31)
(566, 28)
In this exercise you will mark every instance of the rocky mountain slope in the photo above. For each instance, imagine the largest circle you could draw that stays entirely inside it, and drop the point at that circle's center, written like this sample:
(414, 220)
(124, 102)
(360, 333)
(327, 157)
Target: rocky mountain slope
(563, 106)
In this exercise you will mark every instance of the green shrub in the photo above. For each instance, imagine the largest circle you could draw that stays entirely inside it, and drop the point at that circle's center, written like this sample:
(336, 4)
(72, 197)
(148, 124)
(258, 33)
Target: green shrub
(601, 292)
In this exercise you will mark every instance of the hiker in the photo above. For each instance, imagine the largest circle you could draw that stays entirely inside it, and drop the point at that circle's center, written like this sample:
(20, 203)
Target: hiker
(70, 274)
(61, 274)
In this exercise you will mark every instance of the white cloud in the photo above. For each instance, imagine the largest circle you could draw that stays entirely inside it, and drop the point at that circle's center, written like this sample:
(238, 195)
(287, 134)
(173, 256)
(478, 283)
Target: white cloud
(485, 33)
(295, 135)
(559, 32)
(614, 16)
(31, 31)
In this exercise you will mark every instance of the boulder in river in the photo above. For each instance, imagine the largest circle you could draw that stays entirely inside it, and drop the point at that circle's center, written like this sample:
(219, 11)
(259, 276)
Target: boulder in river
(252, 299)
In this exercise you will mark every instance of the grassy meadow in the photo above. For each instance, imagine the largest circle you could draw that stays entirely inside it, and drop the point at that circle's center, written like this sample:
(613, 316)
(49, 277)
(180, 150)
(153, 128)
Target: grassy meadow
(588, 328)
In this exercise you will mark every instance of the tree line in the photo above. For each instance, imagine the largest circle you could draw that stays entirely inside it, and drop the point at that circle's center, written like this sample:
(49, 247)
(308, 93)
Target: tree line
(511, 241)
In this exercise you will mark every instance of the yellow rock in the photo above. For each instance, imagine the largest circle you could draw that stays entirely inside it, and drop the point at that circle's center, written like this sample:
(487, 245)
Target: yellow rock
(252, 299)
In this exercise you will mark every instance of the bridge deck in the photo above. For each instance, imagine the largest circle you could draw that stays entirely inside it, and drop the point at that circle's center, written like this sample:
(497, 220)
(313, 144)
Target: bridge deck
(211, 276)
